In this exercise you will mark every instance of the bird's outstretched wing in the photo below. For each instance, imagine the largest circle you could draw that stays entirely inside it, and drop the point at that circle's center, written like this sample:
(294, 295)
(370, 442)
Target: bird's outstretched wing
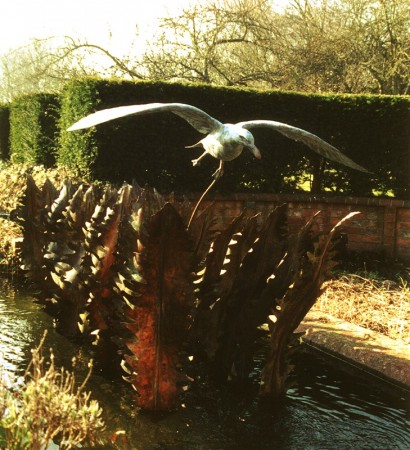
(311, 140)
(199, 119)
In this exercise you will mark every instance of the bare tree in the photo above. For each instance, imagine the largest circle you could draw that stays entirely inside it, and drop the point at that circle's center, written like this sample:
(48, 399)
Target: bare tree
(386, 44)
(317, 54)
(47, 64)
(315, 45)
(224, 42)
(42, 65)
(352, 46)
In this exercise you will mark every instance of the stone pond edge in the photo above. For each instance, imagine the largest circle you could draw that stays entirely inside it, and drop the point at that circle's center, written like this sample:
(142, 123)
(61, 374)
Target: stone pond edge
(365, 349)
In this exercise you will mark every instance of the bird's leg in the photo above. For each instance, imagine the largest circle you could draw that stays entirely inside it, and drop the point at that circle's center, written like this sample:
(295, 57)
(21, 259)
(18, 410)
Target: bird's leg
(195, 162)
(219, 171)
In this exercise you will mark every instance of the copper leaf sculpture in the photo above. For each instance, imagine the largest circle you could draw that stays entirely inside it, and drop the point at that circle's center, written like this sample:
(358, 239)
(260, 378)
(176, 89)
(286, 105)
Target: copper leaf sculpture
(122, 268)
(162, 310)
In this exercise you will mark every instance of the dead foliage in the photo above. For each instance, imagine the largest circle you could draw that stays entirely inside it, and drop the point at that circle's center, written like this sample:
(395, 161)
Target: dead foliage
(370, 301)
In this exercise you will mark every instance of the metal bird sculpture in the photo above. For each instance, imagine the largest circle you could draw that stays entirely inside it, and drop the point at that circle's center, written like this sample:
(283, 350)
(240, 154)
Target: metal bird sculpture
(222, 141)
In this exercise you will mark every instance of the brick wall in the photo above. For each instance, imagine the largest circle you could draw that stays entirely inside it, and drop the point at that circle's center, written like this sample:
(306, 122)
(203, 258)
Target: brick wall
(382, 227)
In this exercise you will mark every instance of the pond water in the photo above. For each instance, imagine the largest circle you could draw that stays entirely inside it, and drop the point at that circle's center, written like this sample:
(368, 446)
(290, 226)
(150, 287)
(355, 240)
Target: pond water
(328, 408)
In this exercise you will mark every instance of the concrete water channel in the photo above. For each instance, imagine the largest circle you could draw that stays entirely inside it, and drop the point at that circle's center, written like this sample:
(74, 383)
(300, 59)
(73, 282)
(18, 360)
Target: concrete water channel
(331, 406)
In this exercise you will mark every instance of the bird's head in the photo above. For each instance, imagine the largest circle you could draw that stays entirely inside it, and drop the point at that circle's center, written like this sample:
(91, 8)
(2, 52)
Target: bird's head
(248, 142)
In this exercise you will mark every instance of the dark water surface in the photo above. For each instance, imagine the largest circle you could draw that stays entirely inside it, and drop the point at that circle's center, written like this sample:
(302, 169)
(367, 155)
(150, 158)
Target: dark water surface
(329, 407)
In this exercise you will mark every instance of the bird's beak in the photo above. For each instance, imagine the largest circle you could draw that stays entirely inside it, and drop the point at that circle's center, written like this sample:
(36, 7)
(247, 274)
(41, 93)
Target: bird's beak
(255, 151)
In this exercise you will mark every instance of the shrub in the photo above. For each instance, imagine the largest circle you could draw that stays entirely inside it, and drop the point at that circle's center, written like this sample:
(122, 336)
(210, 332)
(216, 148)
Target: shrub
(34, 129)
(372, 130)
(49, 406)
(13, 183)
(78, 151)
(4, 132)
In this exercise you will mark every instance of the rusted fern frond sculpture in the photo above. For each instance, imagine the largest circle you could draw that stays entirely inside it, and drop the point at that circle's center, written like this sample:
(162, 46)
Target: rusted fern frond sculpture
(121, 268)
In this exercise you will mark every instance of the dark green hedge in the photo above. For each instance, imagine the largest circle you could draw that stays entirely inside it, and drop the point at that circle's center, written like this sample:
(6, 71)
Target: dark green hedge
(34, 129)
(372, 130)
(79, 150)
(4, 132)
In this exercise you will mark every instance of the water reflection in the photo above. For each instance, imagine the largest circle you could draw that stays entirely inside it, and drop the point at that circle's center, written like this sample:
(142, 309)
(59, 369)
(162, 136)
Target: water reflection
(327, 409)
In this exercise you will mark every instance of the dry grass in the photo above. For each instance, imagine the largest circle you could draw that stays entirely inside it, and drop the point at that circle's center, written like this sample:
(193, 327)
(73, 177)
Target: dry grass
(50, 405)
(13, 182)
(9, 232)
(371, 301)
(12, 187)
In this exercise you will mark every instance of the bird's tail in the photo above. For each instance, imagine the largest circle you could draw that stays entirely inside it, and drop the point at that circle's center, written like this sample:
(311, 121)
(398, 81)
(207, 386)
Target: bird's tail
(198, 144)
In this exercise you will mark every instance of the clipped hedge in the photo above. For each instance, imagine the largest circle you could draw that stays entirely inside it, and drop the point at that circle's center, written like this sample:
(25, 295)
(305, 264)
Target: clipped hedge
(372, 130)
(79, 151)
(34, 129)
(4, 132)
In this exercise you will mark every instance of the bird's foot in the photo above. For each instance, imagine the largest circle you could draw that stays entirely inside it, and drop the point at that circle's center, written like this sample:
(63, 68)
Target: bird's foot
(196, 162)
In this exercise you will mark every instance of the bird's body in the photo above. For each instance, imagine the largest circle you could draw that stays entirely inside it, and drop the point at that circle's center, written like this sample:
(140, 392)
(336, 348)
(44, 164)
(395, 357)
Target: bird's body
(226, 143)
(222, 141)
(222, 144)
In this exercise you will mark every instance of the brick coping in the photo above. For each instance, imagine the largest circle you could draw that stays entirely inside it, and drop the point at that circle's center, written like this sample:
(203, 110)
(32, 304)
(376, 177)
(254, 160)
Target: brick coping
(303, 197)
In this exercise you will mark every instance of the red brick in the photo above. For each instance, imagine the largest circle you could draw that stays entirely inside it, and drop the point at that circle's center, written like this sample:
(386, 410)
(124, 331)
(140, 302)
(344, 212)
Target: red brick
(374, 229)
(403, 215)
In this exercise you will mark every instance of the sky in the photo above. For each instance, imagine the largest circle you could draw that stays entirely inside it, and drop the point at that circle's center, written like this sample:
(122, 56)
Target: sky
(101, 21)
(109, 23)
